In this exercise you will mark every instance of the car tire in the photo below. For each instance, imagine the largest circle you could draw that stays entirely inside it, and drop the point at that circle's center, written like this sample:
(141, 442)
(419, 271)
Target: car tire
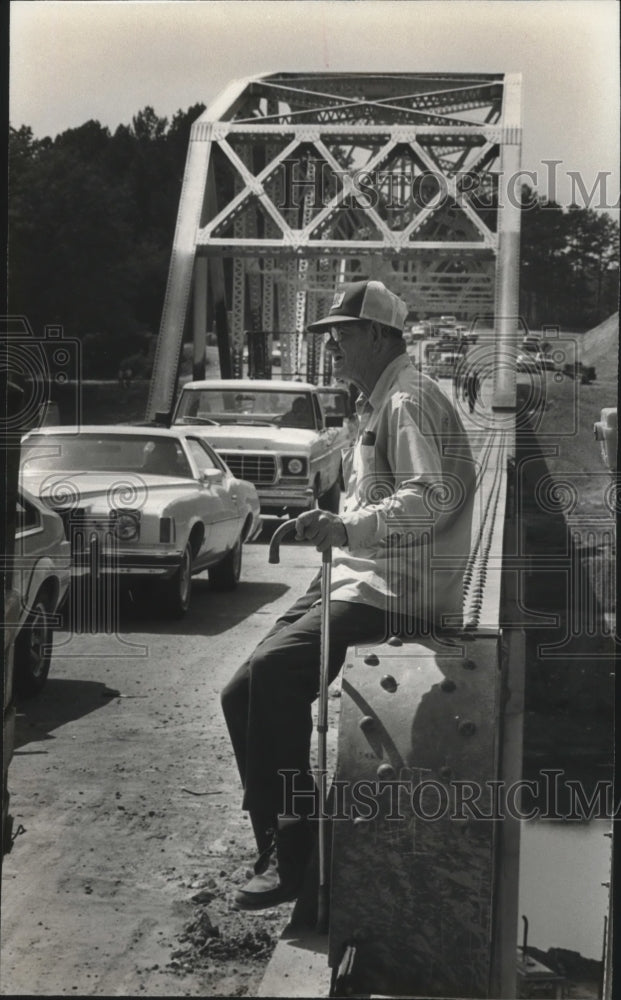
(225, 574)
(32, 663)
(175, 593)
(331, 499)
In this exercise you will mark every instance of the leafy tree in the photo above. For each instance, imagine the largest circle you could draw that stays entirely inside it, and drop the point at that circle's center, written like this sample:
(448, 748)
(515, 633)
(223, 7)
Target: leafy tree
(92, 218)
(68, 239)
(568, 264)
(592, 254)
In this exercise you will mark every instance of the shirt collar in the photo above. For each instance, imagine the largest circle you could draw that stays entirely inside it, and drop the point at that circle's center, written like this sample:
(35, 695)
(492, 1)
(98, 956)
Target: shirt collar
(386, 378)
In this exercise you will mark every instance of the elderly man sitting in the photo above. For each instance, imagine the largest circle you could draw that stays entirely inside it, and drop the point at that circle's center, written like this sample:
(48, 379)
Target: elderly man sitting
(400, 549)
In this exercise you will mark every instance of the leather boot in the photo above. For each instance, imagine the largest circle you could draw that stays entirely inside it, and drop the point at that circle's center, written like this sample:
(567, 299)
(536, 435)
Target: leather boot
(280, 878)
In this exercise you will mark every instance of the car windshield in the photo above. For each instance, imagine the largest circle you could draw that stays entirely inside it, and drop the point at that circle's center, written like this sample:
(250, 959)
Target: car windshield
(246, 406)
(142, 453)
(334, 403)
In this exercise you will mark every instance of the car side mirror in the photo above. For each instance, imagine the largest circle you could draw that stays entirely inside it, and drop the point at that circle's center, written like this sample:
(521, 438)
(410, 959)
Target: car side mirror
(209, 476)
(334, 420)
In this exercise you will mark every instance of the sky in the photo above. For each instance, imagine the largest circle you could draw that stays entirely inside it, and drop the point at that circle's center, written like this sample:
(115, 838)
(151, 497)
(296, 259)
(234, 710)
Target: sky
(73, 61)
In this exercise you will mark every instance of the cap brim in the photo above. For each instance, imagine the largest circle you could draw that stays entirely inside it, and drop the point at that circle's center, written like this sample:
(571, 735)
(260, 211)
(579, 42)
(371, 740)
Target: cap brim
(320, 324)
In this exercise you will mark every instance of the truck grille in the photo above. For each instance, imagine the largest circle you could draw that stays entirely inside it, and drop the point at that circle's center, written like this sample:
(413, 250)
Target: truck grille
(258, 469)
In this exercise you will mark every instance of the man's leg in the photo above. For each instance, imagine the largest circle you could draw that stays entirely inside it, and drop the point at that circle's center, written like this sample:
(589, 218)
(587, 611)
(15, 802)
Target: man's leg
(277, 686)
(235, 697)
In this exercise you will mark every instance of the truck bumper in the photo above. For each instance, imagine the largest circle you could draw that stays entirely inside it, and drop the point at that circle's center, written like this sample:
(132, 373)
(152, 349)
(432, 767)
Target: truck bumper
(281, 501)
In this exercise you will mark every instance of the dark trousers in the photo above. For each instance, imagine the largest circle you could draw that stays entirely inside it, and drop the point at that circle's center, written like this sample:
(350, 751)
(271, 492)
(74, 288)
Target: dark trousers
(267, 703)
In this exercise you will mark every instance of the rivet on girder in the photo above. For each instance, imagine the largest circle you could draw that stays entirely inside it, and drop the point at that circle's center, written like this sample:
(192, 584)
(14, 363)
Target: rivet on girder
(372, 659)
(395, 641)
(367, 722)
(448, 685)
(385, 772)
(469, 665)
(389, 683)
(360, 820)
(467, 728)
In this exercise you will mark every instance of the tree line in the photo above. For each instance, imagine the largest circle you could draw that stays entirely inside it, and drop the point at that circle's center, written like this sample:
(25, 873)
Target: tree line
(92, 217)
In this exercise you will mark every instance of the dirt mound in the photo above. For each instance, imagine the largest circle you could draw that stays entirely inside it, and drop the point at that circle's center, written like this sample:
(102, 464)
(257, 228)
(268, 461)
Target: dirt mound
(227, 948)
(600, 346)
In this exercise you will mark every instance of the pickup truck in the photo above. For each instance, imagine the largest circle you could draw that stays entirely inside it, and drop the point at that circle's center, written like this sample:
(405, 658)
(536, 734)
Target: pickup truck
(274, 433)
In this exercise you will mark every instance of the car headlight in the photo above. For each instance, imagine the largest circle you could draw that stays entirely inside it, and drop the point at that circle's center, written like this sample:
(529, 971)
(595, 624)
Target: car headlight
(127, 525)
(294, 466)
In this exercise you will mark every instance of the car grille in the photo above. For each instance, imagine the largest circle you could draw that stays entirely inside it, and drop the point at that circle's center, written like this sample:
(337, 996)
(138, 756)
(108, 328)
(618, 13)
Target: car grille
(258, 469)
(82, 528)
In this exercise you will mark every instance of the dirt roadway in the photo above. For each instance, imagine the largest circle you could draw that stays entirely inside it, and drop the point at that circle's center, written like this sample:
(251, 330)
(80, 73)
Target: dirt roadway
(134, 842)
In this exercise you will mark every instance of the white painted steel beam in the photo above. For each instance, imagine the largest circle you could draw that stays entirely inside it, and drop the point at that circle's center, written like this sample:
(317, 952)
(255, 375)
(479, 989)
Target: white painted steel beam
(507, 264)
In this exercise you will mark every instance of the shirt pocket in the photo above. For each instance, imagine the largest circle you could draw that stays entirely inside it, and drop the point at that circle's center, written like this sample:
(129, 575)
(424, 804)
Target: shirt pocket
(366, 473)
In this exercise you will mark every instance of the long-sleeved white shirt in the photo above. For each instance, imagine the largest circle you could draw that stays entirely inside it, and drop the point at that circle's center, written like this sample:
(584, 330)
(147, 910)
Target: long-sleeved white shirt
(410, 482)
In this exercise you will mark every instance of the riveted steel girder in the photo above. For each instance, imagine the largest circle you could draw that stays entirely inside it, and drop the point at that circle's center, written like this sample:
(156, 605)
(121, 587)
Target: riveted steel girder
(412, 868)
(367, 167)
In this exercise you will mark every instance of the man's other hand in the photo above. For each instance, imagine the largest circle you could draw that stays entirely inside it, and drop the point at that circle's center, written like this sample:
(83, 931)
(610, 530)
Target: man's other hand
(321, 528)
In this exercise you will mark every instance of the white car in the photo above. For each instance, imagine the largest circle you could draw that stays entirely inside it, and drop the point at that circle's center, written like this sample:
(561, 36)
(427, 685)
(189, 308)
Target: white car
(525, 362)
(546, 361)
(274, 433)
(418, 330)
(144, 504)
(40, 577)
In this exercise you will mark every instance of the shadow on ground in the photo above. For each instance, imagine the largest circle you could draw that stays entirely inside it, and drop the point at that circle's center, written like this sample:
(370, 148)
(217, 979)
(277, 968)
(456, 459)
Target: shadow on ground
(61, 701)
(211, 611)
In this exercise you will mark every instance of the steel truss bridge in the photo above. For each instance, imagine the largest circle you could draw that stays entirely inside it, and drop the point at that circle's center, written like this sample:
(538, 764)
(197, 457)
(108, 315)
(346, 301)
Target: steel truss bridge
(296, 182)
(293, 184)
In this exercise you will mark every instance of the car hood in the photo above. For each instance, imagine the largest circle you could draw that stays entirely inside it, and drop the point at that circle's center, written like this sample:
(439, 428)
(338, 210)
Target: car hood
(126, 489)
(273, 438)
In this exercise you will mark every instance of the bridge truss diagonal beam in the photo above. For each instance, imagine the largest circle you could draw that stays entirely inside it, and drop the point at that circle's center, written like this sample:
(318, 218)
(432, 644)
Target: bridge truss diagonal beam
(368, 143)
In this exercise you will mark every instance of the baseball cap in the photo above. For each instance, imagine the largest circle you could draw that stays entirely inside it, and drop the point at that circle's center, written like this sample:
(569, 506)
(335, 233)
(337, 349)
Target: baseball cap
(363, 300)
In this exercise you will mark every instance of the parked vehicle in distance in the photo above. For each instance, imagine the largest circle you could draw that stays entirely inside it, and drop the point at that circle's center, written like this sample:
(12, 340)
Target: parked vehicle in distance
(276, 356)
(275, 434)
(525, 362)
(546, 361)
(469, 337)
(445, 364)
(418, 331)
(145, 505)
(41, 577)
(531, 343)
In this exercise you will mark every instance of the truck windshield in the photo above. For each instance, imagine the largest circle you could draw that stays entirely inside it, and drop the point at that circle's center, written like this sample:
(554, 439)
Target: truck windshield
(246, 406)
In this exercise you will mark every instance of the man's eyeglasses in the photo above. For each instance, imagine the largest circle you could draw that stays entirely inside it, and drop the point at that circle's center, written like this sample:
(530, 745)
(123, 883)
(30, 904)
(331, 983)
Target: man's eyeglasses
(339, 334)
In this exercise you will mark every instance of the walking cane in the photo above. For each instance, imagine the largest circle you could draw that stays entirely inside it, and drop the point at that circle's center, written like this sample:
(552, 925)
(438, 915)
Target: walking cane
(322, 715)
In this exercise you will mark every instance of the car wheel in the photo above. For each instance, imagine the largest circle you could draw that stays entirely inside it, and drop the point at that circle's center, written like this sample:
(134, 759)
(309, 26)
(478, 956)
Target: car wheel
(331, 499)
(33, 651)
(225, 575)
(175, 593)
